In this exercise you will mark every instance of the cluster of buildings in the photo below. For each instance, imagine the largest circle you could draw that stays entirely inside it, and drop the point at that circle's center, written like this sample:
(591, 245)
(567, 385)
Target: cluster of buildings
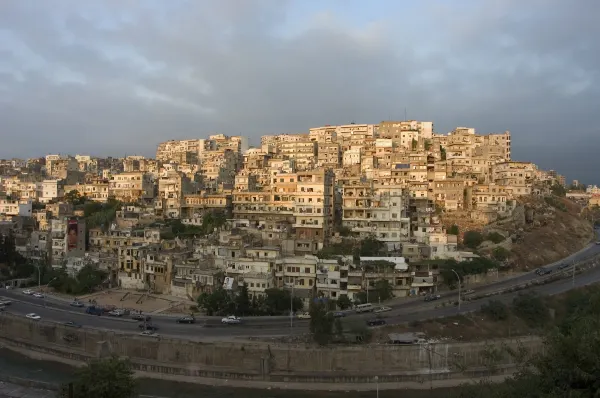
(285, 201)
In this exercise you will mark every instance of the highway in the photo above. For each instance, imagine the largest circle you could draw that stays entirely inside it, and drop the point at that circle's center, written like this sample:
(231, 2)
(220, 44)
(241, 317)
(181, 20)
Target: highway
(207, 328)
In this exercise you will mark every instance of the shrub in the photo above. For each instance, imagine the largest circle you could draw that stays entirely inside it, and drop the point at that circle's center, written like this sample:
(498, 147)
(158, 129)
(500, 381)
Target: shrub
(472, 239)
(531, 309)
(500, 254)
(453, 230)
(495, 310)
(495, 237)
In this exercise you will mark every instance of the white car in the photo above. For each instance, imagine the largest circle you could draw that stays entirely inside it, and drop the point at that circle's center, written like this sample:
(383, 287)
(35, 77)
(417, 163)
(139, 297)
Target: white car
(28, 292)
(382, 309)
(5, 302)
(231, 320)
(304, 315)
(38, 295)
(33, 316)
(149, 333)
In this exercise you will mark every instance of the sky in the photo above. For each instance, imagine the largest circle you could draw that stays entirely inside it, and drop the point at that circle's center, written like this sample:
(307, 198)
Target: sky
(116, 77)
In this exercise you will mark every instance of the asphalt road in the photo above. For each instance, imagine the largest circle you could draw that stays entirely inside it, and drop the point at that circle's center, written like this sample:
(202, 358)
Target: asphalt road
(210, 327)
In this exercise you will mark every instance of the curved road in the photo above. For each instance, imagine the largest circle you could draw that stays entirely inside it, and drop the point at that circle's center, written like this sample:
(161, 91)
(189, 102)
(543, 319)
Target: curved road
(211, 328)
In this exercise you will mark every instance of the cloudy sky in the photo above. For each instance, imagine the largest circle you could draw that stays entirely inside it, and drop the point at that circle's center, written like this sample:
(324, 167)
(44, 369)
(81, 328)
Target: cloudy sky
(116, 77)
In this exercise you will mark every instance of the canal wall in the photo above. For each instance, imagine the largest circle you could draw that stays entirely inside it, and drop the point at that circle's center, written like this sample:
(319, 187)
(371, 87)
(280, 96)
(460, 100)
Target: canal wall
(293, 363)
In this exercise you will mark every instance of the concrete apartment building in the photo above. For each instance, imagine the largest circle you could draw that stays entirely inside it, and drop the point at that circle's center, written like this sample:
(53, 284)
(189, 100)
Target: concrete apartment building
(97, 191)
(314, 206)
(50, 190)
(58, 166)
(131, 187)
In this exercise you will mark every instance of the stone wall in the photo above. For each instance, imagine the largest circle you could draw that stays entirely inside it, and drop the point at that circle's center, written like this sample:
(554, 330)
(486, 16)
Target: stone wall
(256, 361)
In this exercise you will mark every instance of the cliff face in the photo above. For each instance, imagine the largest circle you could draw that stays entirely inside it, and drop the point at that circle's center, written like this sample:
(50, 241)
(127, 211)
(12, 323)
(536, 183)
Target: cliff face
(545, 230)
(538, 232)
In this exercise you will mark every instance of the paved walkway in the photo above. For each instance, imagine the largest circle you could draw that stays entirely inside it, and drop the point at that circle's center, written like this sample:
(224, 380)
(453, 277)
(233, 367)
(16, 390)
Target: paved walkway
(9, 390)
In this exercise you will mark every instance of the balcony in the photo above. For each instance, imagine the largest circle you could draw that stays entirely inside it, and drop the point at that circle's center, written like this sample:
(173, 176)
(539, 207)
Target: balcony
(354, 287)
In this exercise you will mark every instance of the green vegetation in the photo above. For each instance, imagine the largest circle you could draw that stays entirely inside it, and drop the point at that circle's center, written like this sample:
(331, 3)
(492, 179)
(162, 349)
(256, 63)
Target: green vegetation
(531, 308)
(223, 302)
(369, 246)
(344, 302)
(569, 364)
(500, 254)
(453, 230)
(321, 322)
(12, 264)
(427, 144)
(210, 222)
(558, 190)
(495, 237)
(472, 239)
(380, 292)
(555, 202)
(105, 378)
(443, 152)
(101, 215)
(495, 310)
(478, 265)
(414, 144)
(74, 197)
(87, 280)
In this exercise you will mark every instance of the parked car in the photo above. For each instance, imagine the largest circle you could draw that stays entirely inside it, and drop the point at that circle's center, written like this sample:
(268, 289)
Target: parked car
(33, 316)
(563, 266)
(231, 320)
(72, 324)
(148, 326)
(28, 292)
(149, 333)
(432, 297)
(141, 317)
(115, 313)
(376, 322)
(38, 295)
(186, 319)
(77, 304)
(598, 242)
(303, 315)
(5, 302)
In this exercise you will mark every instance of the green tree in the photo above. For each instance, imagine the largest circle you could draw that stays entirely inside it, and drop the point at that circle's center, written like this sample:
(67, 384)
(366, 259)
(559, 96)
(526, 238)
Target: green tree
(277, 302)
(531, 308)
(243, 305)
(344, 302)
(443, 152)
(414, 144)
(500, 253)
(495, 310)
(427, 145)
(106, 378)
(383, 290)
(219, 302)
(472, 239)
(495, 237)
(558, 190)
(321, 322)
(74, 197)
(453, 230)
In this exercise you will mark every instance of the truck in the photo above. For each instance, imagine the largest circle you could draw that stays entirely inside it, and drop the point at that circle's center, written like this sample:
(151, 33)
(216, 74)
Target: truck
(93, 310)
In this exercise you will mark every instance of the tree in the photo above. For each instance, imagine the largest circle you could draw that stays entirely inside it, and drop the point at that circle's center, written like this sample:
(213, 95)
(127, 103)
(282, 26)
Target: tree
(558, 190)
(344, 302)
(243, 306)
(218, 302)
(383, 290)
(106, 378)
(277, 301)
(472, 239)
(500, 253)
(414, 144)
(321, 322)
(531, 308)
(74, 197)
(443, 152)
(453, 230)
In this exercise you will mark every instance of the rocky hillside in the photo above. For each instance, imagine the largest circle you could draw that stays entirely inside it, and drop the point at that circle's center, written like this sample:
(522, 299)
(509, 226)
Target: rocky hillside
(540, 230)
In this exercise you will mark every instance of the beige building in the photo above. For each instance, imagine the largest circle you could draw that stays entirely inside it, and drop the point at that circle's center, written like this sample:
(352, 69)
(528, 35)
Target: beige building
(131, 187)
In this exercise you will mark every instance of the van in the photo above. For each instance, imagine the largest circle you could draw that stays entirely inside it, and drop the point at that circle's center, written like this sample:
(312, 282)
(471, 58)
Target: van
(368, 307)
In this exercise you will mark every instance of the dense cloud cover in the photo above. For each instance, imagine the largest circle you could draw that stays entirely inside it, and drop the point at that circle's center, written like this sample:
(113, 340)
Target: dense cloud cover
(115, 77)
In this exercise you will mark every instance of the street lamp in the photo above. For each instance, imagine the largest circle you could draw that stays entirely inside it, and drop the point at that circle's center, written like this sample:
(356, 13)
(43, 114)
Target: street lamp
(458, 278)
(48, 284)
(377, 385)
(292, 307)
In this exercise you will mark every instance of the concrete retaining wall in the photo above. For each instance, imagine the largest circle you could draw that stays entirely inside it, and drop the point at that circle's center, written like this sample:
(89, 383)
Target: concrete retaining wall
(260, 361)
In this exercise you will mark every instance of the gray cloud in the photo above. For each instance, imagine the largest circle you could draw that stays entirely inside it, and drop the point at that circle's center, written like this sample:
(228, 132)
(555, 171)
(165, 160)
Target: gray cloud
(122, 76)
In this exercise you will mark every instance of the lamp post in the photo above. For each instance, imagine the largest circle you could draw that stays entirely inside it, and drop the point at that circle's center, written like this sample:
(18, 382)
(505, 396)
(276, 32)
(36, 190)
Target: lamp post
(377, 385)
(48, 284)
(458, 278)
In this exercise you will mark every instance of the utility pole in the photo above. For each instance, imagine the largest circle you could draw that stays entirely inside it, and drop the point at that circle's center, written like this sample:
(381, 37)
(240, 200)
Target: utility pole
(458, 278)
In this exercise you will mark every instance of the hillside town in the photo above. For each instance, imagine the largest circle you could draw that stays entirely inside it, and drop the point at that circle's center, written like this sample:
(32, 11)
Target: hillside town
(330, 212)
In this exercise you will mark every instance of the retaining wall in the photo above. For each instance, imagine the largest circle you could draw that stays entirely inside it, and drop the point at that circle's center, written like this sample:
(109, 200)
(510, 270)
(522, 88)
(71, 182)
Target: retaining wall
(261, 361)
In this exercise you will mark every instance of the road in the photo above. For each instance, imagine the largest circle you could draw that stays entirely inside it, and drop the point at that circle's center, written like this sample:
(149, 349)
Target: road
(207, 328)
